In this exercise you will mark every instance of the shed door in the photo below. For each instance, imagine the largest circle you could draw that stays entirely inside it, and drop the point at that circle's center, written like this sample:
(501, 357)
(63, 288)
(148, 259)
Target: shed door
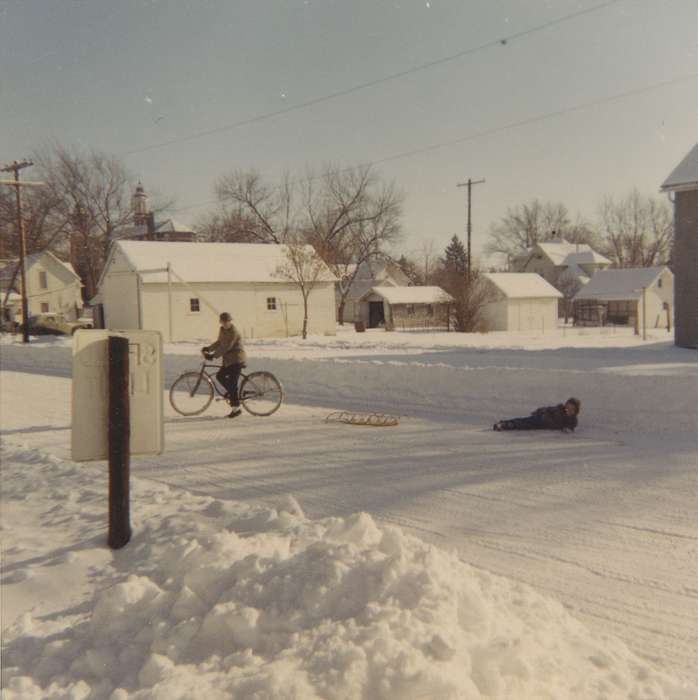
(375, 314)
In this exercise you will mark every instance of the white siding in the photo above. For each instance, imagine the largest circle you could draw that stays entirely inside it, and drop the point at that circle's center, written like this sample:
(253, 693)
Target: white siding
(246, 302)
(532, 314)
(521, 315)
(495, 315)
(120, 295)
(655, 298)
(62, 292)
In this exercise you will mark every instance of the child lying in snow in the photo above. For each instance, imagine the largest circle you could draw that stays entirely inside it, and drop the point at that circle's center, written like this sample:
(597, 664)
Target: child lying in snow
(561, 417)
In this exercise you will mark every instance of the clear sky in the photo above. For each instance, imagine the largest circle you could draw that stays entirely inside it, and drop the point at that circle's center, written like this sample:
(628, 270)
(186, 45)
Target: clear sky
(123, 76)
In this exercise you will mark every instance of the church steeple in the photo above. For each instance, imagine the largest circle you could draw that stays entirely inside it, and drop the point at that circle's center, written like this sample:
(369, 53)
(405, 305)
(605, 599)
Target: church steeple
(139, 204)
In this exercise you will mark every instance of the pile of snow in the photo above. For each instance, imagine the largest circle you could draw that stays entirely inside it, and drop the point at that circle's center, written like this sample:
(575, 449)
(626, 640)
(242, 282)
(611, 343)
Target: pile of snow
(216, 599)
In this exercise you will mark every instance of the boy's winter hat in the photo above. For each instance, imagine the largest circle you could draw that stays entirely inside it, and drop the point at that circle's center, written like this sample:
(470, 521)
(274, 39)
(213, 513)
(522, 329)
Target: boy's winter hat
(225, 316)
(575, 402)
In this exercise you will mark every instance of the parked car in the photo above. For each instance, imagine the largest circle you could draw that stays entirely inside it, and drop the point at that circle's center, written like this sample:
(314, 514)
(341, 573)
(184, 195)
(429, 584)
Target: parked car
(54, 324)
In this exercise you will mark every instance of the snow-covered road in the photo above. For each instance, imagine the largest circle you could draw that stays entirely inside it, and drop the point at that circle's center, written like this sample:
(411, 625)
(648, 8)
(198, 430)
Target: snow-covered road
(603, 520)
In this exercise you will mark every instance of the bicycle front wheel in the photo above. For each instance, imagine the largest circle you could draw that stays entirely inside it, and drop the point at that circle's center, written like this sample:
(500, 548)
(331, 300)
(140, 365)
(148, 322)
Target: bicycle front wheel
(191, 393)
(261, 393)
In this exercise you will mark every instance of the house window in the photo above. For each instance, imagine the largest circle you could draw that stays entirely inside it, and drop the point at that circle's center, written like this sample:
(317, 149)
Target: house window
(194, 305)
(43, 280)
(410, 309)
(271, 303)
(659, 282)
(44, 307)
(430, 309)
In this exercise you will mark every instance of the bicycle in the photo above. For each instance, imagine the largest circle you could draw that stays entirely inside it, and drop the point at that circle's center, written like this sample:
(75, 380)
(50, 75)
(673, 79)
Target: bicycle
(192, 392)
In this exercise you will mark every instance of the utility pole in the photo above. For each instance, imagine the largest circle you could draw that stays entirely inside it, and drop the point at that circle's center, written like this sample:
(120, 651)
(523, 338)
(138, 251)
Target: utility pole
(15, 168)
(469, 184)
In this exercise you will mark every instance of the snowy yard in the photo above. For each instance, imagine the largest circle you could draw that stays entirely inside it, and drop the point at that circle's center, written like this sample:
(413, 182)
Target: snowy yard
(564, 566)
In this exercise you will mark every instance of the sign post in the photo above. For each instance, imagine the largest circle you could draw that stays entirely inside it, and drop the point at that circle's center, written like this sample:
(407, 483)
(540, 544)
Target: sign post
(119, 438)
(117, 409)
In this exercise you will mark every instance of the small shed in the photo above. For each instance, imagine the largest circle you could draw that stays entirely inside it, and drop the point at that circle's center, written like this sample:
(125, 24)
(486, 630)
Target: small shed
(521, 301)
(405, 308)
(180, 288)
(682, 185)
(642, 297)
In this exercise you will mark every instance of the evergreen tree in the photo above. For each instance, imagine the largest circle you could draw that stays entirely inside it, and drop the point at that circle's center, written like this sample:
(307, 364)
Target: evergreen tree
(409, 267)
(455, 256)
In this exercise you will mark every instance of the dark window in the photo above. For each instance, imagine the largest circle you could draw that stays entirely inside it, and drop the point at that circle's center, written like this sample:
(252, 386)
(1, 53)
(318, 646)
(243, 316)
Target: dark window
(44, 308)
(194, 305)
(410, 309)
(659, 282)
(271, 303)
(430, 310)
(43, 280)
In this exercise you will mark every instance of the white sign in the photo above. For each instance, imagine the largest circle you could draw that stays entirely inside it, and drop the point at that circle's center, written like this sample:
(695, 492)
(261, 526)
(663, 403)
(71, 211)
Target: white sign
(89, 436)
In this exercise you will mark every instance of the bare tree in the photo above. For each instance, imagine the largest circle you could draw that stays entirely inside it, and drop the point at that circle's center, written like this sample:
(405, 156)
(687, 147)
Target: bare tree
(470, 295)
(305, 268)
(569, 285)
(535, 222)
(226, 226)
(428, 261)
(348, 215)
(264, 214)
(92, 195)
(638, 230)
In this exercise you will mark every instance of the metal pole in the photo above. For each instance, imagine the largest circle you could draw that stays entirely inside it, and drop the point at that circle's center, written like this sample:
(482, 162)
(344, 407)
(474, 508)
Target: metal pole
(644, 315)
(169, 297)
(119, 432)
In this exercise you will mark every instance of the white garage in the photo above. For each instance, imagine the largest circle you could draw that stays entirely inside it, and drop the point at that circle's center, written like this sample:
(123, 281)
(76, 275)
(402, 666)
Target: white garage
(180, 288)
(521, 301)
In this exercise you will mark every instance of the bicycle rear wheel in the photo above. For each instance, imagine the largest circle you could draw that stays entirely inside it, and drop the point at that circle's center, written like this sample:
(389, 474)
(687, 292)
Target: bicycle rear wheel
(191, 393)
(261, 393)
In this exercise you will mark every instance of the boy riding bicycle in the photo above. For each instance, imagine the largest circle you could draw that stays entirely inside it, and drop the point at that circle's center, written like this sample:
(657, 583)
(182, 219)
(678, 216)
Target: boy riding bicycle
(229, 347)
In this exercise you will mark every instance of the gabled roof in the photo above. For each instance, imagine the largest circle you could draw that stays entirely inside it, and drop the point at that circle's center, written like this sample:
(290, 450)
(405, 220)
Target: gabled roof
(411, 295)
(172, 226)
(620, 285)
(561, 252)
(685, 175)
(522, 285)
(7, 267)
(207, 262)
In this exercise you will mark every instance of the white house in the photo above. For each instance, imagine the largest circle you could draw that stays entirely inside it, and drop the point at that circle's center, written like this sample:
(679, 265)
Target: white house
(628, 295)
(359, 279)
(180, 288)
(558, 258)
(404, 308)
(521, 301)
(53, 286)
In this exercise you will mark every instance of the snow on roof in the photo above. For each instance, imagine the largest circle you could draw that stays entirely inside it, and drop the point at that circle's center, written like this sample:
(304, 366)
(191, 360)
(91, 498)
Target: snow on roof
(522, 285)
(411, 295)
(584, 257)
(172, 226)
(562, 252)
(623, 285)
(35, 257)
(208, 262)
(685, 175)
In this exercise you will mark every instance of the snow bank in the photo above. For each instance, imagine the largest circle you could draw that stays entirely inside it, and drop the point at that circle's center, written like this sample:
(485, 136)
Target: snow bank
(216, 599)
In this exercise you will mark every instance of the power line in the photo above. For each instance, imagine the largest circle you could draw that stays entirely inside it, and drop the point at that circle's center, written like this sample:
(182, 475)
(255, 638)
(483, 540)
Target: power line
(378, 81)
(499, 129)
